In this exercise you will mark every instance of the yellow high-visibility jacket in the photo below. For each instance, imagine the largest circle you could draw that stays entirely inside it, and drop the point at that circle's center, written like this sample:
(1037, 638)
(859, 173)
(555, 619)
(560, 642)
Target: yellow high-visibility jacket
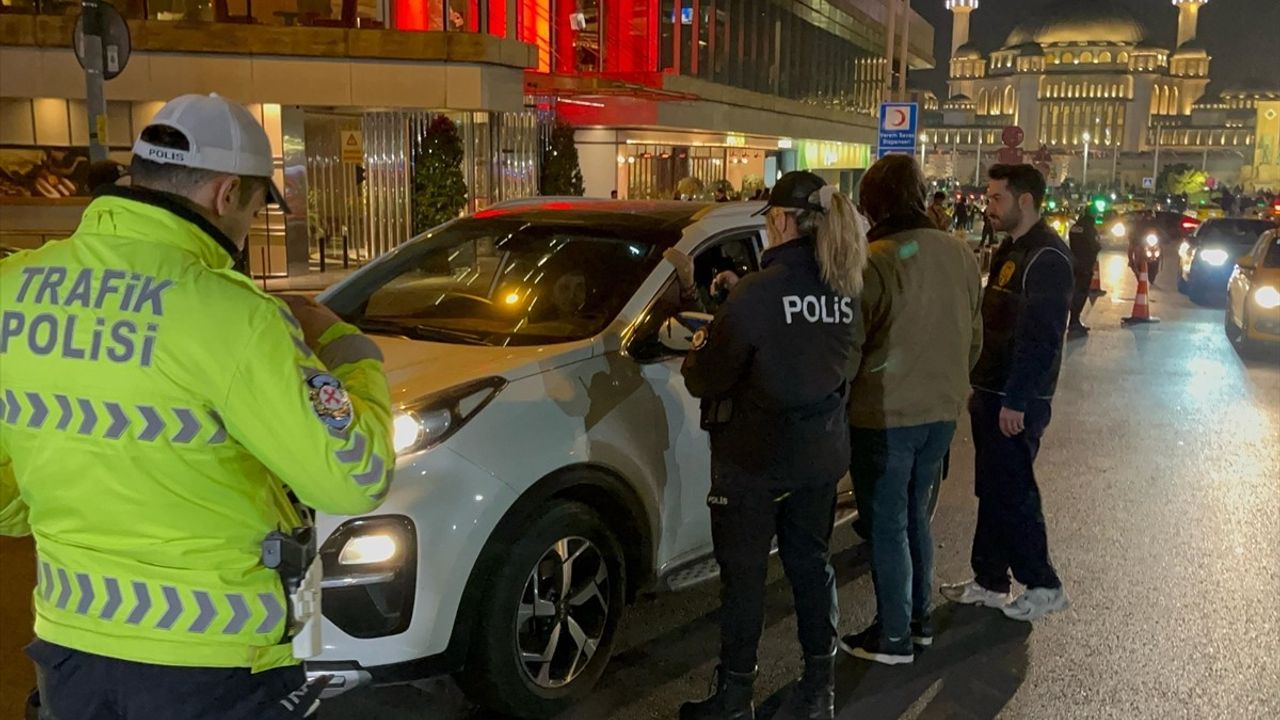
(155, 409)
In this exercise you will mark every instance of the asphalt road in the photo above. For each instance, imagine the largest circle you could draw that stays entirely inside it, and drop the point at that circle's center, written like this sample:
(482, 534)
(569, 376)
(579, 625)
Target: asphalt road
(1161, 481)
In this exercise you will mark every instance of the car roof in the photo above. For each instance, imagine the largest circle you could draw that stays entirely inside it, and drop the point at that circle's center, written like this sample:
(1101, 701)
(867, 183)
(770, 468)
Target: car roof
(658, 214)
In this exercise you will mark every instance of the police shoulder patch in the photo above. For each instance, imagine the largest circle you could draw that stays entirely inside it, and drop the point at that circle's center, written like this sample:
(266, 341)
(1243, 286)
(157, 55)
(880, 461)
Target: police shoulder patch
(329, 400)
(700, 337)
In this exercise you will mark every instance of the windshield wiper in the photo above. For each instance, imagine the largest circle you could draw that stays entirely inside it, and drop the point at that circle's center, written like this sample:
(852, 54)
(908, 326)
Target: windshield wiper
(419, 332)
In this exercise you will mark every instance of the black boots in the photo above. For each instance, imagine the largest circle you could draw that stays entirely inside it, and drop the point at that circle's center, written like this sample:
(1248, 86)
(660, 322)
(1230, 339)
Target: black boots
(814, 697)
(732, 699)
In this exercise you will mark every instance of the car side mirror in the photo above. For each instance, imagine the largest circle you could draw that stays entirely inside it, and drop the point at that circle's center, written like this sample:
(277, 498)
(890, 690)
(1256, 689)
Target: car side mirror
(678, 331)
(1246, 263)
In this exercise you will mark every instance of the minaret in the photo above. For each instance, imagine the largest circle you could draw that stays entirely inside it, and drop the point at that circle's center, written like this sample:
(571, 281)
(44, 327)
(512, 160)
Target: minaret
(1188, 15)
(960, 10)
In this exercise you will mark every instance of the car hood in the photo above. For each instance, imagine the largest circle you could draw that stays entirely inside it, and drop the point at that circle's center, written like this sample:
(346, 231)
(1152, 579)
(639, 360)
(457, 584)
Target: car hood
(416, 368)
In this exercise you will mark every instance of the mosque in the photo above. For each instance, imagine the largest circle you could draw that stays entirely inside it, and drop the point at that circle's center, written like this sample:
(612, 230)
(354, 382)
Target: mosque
(1087, 77)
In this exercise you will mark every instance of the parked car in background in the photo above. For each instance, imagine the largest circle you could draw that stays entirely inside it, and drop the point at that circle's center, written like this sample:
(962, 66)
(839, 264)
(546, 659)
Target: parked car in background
(1253, 295)
(1208, 257)
(550, 464)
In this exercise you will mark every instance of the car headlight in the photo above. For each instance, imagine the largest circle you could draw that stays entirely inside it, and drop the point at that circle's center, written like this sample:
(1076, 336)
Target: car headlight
(1267, 297)
(1151, 240)
(1215, 257)
(1118, 230)
(430, 421)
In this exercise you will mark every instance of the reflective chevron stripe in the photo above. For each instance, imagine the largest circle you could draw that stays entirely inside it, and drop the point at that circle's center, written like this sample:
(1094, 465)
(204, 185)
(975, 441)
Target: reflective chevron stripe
(155, 606)
(110, 419)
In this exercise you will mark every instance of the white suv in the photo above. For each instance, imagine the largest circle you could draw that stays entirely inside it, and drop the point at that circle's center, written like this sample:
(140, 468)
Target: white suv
(551, 464)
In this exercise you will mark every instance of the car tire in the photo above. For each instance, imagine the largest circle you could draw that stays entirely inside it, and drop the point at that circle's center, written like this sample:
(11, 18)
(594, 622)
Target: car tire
(1234, 334)
(524, 613)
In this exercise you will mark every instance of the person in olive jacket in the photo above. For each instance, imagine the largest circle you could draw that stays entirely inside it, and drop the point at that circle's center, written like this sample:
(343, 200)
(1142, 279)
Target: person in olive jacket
(922, 332)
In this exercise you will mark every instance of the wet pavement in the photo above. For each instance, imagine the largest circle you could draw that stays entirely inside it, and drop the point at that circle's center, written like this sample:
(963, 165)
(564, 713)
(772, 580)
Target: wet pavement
(1161, 482)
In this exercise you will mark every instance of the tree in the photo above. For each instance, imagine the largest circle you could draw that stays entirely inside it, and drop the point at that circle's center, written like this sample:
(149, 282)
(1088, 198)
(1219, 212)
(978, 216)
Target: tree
(561, 174)
(1181, 179)
(439, 188)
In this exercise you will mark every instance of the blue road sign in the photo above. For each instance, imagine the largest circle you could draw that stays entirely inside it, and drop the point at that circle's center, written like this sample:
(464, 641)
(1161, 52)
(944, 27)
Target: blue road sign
(898, 124)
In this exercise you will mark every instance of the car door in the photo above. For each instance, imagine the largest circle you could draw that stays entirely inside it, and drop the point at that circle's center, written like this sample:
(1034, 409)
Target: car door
(686, 524)
(1242, 280)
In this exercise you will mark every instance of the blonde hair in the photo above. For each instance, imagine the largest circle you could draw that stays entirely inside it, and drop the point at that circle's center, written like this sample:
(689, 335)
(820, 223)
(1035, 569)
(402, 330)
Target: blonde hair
(840, 236)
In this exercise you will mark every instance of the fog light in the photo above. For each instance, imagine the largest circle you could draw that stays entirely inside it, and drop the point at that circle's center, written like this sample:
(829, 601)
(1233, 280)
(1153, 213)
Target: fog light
(1267, 297)
(368, 550)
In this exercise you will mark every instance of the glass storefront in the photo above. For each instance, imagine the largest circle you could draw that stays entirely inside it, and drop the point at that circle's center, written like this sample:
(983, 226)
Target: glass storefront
(360, 199)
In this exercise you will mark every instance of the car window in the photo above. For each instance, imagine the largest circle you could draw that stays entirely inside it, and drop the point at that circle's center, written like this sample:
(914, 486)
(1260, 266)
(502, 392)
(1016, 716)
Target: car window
(1272, 257)
(1236, 231)
(737, 253)
(501, 282)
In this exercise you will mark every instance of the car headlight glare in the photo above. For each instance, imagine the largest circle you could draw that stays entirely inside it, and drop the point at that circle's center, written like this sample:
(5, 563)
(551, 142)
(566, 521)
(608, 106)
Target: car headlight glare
(1118, 230)
(1215, 257)
(1151, 240)
(429, 422)
(1267, 297)
(369, 549)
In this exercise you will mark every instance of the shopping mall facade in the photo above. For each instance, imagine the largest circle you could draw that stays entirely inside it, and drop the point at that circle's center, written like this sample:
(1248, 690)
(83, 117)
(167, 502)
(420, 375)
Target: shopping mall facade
(667, 96)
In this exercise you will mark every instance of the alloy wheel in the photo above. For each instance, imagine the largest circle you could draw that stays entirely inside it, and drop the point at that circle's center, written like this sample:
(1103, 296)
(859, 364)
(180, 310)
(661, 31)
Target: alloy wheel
(563, 612)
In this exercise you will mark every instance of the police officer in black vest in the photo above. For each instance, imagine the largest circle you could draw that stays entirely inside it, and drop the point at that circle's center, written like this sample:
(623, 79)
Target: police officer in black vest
(772, 370)
(1024, 318)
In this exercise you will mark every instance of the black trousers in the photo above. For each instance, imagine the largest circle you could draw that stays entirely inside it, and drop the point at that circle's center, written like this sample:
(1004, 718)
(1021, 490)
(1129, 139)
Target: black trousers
(1011, 532)
(1081, 295)
(745, 516)
(76, 685)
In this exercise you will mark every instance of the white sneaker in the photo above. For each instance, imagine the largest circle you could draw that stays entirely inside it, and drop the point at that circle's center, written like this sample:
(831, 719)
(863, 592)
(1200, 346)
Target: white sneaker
(971, 593)
(1035, 603)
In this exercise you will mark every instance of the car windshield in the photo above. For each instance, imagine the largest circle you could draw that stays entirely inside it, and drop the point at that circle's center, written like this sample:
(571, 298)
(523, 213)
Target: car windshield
(1272, 259)
(503, 281)
(1233, 231)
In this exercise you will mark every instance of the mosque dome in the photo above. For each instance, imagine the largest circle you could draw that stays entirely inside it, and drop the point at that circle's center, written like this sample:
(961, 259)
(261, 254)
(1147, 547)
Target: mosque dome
(968, 51)
(1090, 21)
(1194, 48)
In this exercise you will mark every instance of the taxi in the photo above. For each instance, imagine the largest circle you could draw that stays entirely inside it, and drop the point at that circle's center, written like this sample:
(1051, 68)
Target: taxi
(1253, 295)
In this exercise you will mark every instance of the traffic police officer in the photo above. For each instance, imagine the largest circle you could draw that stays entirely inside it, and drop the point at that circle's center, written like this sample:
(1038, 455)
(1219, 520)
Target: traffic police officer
(772, 370)
(159, 411)
(1084, 250)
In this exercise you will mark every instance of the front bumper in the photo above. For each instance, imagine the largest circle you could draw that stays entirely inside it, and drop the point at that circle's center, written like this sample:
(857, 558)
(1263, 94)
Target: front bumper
(1264, 326)
(452, 506)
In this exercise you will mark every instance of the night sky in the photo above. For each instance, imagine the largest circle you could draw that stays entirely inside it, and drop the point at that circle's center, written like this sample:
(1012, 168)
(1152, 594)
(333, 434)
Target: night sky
(1242, 35)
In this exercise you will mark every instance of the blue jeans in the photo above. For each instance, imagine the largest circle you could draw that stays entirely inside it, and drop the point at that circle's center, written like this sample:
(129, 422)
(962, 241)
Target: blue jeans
(894, 474)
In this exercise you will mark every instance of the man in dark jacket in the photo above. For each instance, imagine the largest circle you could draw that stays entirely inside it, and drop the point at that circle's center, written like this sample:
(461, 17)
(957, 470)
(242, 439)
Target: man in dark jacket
(922, 335)
(1084, 250)
(1024, 316)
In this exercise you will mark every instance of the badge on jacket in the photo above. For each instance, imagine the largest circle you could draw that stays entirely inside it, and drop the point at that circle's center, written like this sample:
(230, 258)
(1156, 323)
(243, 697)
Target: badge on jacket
(329, 401)
(1006, 273)
(700, 336)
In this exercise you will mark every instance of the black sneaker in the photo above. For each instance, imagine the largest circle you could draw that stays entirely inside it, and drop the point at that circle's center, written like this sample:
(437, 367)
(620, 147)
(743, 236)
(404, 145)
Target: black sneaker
(870, 644)
(922, 632)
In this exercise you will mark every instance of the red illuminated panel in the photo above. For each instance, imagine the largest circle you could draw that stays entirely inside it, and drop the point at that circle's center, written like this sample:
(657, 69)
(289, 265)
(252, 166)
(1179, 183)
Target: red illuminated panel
(631, 36)
(410, 15)
(534, 23)
(498, 18)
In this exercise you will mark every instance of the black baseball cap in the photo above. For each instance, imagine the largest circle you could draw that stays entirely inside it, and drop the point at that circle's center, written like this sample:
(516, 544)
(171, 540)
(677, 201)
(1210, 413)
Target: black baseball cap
(796, 191)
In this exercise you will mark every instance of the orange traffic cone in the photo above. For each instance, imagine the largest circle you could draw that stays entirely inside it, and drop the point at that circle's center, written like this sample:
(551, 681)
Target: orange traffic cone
(1141, 309)
(1095, 285)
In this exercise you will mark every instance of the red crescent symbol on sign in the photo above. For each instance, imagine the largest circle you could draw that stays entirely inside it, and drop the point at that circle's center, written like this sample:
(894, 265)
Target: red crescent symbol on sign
(902, 117)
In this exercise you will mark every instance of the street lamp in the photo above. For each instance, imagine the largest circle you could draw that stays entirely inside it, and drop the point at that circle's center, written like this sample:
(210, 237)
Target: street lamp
(924, 140)
(1084, 181)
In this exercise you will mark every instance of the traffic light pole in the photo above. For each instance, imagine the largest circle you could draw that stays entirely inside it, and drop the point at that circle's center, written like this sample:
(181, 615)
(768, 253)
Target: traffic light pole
(95, 99)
